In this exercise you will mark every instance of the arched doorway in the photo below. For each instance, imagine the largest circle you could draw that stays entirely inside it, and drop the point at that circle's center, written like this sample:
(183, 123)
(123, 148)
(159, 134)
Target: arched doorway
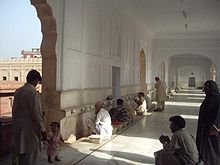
(50, 97)
(190, 70)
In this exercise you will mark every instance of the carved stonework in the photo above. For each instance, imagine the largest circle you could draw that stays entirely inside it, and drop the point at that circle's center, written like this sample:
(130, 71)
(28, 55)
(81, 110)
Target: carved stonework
(50, 97)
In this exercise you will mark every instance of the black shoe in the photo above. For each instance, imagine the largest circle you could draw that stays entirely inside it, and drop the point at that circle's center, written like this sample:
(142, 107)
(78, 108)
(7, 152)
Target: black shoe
(50, 161)
(158, 110)
(57, 159)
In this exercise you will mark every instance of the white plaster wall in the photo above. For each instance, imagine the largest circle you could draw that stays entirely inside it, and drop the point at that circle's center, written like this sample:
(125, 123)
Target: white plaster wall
(199, 73)
(93, 36)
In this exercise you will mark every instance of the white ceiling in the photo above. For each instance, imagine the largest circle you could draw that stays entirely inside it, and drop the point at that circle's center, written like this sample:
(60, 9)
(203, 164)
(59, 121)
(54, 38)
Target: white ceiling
(166, 20)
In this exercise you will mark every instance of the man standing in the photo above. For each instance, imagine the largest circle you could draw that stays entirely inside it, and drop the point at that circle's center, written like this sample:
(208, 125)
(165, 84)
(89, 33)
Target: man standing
(28, 127)
(160, 94)
(102, 124)
(181, 149)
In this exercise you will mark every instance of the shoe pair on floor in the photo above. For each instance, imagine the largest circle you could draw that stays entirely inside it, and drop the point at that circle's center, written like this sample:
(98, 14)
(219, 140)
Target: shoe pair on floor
(56, 159)
(158, 109)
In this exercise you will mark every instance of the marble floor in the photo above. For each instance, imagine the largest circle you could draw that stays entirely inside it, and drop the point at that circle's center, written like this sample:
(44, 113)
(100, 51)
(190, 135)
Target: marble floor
(136, 144)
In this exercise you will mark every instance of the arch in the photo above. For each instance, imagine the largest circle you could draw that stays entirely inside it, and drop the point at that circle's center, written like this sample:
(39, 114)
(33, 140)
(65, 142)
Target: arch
(6, 74)
(15, 75)
(142, 59)
(187, 60)
(50, 97)
(189, 55)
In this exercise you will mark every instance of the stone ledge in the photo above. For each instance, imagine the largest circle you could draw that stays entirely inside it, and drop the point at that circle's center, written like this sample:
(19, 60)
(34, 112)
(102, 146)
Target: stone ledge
(97, 139)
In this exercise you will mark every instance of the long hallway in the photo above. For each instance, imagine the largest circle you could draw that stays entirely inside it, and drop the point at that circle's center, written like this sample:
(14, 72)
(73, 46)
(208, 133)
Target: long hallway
(135, 145)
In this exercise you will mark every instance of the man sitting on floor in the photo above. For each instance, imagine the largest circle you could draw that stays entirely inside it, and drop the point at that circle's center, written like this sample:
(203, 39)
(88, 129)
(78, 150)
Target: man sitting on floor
(119, 114)
(142, 104)
(102, 123)
(130, 109)
(181, 149)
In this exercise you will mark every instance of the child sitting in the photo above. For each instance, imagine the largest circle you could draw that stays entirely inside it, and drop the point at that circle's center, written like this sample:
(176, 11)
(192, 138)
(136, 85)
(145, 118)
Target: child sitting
(54, 139)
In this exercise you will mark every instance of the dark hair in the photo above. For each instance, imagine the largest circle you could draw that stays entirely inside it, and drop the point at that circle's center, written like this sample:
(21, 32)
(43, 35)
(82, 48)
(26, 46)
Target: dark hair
(120, 101)
(178, 120)
(157, 78)
(33, 75)
(141, 94)
(56, 124)
(109, 98)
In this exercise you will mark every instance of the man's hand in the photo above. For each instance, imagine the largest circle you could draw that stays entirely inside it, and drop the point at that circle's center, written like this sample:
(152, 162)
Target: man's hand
(61, 139)
(44, 136)
(164, 139)
(136, 100)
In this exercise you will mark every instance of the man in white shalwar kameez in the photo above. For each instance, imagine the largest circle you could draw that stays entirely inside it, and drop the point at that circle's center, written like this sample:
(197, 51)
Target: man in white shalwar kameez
(102, 123)
(28, 126)
(142, 104)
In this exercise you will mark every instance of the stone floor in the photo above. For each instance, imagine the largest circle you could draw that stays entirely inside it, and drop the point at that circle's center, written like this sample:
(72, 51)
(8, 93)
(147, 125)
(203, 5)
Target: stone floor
(136, 144)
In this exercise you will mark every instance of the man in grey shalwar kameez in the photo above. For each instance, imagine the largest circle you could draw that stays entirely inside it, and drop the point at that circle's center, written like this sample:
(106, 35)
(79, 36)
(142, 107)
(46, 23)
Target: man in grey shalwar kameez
(27, 121)
(181, 149)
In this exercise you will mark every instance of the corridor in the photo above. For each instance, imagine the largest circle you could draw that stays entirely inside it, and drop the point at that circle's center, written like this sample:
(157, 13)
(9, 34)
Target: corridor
(135, 145)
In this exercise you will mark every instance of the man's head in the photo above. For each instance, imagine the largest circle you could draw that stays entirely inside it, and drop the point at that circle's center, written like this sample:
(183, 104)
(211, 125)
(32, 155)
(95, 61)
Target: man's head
(109, 98)
(55, 126)
(33, 77)
(141, 94)
(177, 122)
(157, 78)
(98, 106)
(120, 102)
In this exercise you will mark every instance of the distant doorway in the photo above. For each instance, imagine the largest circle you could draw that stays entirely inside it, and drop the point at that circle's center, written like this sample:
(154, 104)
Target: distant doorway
(192, 82)
(116, 92)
